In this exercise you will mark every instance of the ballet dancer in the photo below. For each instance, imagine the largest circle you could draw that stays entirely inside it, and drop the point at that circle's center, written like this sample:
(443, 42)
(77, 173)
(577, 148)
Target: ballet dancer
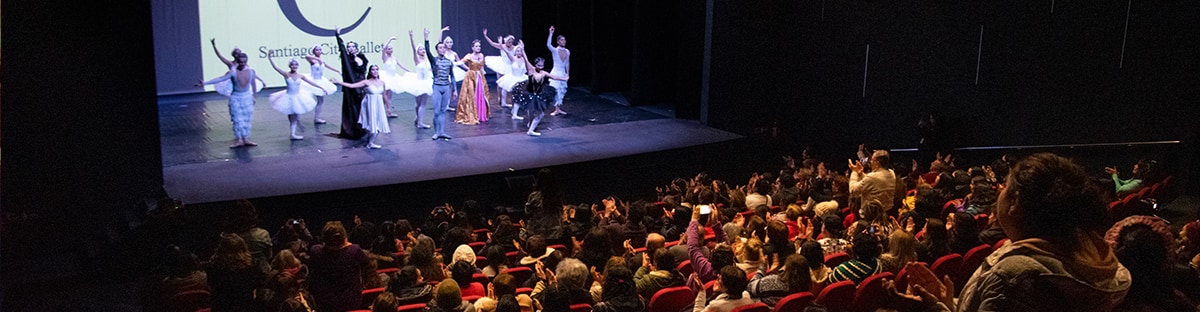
(562, 67)
(443, 86)
(241, 99)
(390, 76)
(459, 67)
(316, 68)
(224, 87)
(295, 100)
(373, 116)
(501, 64)
(354, 69)
(420, 82)
(533, 92)
(515, 75)
(473, 102)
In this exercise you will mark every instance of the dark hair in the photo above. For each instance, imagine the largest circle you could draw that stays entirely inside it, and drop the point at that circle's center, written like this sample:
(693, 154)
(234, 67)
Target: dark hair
(734, 280)
(453, 238)
(965, 234)
(1144, 252)
(539, 60)
(369, 74)
(618, 282)
(596, 247)
(721, 256)
(507, 303)
(833, 225)
(385, 302)
(556, 299)
(1147, 171)
(812, 250)
(495, 257)
(1057, 199)
(777, 233)
(535, 246)
(796, 273)
(245, 216)
(462, 272)
(504, 284)
(756, 227)
(421, 254)
(762, 187)
(406, 277)
(448, 294)
(664, 260)
(865, 246)
(403, 227)
(637, 212)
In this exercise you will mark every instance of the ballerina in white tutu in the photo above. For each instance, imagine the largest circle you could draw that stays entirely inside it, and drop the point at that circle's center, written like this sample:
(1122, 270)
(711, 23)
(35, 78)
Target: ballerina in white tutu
(419, 83)
(460, 68)
(373, 115)
(295, 100)
(515, 75)
(316, 68)
(501, 64)
(391, 76)
(224, 87)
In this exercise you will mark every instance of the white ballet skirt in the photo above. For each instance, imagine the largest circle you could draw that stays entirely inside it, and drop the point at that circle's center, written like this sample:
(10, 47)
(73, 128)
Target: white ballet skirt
(294, 100)
(501, 64)
(318, 77)
(226, 88)
(514, 77)
(390, 75)
(459, 73)
(373, 115)
(418, 83)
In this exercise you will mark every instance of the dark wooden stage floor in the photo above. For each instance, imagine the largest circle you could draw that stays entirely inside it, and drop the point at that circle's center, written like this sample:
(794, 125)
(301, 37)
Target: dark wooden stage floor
(198, 165)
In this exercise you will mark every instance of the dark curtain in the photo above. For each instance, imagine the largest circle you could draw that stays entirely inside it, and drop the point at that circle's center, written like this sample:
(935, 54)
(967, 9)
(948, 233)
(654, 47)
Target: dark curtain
(467, 19)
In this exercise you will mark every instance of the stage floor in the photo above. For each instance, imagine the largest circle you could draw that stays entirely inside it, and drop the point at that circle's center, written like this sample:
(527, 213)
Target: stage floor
(199, 167)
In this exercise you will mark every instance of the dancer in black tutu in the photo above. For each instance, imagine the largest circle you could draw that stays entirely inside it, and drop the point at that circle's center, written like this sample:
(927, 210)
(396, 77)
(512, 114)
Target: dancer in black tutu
(533, 93)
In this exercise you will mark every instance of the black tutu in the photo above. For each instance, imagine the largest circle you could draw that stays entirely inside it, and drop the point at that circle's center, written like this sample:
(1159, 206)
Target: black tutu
(533, 96)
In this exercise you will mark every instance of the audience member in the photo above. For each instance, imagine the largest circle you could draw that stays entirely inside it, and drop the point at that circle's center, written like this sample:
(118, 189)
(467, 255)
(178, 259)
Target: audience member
(731, 283)
(448, 298)
(463, 272)
(902, 249)
(335, 270)
(232, 275)
(244, 222)
(879, 184)
(658, 274)
(864, 264)
(410, 287)
(794, 277)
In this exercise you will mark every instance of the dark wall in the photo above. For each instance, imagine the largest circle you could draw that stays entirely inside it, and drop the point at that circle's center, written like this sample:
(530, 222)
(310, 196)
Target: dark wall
(1044, 78)
(80, 122)
(648, 51)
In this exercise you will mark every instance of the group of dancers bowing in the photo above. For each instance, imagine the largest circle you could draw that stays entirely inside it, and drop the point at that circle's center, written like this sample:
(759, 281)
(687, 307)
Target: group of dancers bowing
(367, 90)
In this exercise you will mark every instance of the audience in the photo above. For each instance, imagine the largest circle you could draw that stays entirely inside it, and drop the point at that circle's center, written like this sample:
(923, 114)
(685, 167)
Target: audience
(1050, 209)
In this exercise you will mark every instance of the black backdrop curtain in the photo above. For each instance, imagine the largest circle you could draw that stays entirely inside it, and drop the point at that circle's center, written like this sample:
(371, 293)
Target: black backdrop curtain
(468, 18)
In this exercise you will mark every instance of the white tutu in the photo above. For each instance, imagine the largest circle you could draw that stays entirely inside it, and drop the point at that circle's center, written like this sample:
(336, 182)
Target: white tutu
(498, 64)
(459, 73)
(412, 83)
(226, 87)
(373, 115)
(299, 103)
(392, 82)
(508, 81)
(326, 88)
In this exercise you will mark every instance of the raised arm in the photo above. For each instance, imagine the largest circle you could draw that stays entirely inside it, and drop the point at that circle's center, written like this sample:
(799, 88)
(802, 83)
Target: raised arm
(414, 48)
(218, 52)
(548, 41)
(428, 54)
(489, 40)
(271, 58)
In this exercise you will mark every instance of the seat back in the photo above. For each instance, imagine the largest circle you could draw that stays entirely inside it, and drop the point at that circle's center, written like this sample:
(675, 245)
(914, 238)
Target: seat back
(477, 247)
(970, 263)
(685, 268)
(368, 296)
(674, 299)
(581, 307)
(837, 297)
(481, 279)
(418, 307)
(190, 301)
(870, 294)
(999, 244)
(520, 274)
(753, 307)
(947, 265)
(795, 302)
(833, 260)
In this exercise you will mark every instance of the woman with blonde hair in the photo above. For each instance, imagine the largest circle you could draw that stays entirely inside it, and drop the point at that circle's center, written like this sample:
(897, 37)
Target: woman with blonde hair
(902, 249)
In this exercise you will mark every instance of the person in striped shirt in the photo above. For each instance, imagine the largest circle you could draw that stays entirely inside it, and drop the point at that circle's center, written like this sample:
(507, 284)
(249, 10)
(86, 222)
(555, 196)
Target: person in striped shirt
(865, 263)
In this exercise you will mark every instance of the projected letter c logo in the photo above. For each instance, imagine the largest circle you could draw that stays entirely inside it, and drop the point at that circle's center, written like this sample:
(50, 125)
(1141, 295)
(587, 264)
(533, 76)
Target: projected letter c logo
(292, 12)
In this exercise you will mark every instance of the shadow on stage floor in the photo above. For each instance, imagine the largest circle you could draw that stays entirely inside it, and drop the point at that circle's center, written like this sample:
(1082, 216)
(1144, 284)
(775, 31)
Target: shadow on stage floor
(198, 165)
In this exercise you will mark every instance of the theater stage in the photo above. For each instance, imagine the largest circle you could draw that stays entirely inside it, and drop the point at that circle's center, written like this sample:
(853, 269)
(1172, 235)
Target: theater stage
(199, 167)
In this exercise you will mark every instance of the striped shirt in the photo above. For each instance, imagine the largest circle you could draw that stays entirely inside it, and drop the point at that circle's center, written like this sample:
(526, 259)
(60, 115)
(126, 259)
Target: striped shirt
(855, 270)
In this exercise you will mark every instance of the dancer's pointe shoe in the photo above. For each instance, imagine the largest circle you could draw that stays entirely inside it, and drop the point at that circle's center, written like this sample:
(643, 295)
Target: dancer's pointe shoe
(533, 133)
(374, 146)
(505, 105)
(558, 112)
(297, 137)
(445, 137)
(248, 143)
(392, 115)
(515, 117)
(319, 121)
(423, 127)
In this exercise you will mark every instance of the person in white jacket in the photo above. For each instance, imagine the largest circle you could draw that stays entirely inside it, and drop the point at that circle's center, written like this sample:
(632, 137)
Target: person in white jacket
(731, 282)
(879, 184)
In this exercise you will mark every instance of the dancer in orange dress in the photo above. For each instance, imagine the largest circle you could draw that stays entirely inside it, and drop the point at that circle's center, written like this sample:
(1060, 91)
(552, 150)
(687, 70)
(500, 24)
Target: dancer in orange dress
(473, 95)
